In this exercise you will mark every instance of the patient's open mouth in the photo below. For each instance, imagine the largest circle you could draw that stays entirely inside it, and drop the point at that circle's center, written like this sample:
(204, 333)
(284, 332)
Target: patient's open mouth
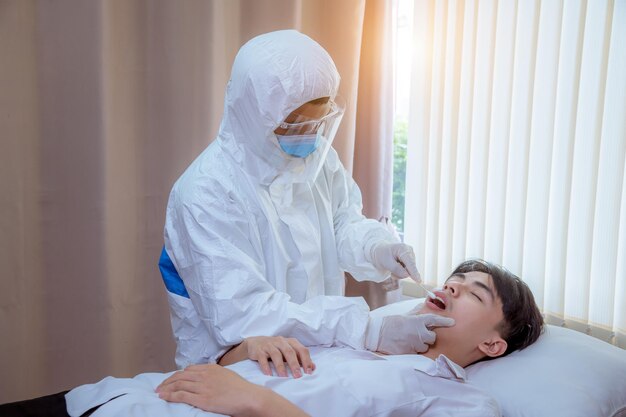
(439, 302)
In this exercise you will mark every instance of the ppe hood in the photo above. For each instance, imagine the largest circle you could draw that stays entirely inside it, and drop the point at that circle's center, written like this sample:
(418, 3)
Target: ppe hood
(272, 75)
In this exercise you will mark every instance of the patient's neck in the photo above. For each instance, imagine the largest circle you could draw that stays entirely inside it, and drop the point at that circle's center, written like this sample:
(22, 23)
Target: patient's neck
(460, 355)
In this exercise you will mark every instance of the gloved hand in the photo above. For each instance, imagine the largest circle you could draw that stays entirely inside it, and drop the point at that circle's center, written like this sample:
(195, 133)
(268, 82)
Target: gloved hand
(397, 258)
(404, 334)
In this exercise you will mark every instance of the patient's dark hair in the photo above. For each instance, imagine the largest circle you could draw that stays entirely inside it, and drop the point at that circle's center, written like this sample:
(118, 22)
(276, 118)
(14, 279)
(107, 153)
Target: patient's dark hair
(522, 323)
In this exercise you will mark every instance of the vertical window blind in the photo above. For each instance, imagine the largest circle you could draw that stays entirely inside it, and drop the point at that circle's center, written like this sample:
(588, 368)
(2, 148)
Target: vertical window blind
(516, 149)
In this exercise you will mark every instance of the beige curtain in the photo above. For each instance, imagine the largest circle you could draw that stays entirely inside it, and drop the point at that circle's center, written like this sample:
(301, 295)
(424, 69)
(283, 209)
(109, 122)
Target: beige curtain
(373, 151)
(104, 103)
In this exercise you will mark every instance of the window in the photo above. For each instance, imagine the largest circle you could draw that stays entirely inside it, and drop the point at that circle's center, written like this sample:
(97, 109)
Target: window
(516, 147)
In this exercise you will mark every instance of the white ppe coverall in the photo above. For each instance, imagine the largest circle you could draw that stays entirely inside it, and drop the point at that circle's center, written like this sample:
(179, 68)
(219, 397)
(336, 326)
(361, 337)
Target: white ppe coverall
(261, 249)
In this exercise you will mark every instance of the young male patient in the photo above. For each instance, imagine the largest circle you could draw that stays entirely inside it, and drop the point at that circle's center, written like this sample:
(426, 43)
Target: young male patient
(494, 313)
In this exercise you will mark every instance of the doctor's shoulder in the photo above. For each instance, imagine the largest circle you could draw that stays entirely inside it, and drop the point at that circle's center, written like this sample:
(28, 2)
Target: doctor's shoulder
(208, 182)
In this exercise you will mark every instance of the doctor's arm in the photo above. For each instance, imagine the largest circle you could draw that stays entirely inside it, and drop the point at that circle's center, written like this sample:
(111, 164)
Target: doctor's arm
(367, 249)
(219, 390)
(224, 274)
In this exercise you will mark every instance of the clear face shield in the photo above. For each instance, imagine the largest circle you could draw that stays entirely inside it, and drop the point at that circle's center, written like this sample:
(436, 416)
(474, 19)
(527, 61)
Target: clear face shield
(308, 132)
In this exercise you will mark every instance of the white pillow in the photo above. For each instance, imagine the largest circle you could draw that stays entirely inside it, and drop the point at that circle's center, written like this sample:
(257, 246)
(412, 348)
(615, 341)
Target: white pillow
(401, 307)
(564, 373)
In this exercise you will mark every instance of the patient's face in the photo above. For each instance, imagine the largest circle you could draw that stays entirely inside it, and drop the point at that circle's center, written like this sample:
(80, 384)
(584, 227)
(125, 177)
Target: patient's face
(471, 300)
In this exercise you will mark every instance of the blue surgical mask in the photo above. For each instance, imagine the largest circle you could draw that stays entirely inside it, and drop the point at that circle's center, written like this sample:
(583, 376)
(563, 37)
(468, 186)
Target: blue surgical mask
(300, 146)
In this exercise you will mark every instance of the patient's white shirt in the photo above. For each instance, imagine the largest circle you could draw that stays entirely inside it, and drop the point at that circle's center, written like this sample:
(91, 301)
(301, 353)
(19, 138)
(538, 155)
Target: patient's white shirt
(346, 382)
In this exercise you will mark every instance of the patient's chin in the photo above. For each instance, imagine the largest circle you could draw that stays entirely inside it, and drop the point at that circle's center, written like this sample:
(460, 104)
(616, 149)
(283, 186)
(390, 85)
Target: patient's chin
(446, 334)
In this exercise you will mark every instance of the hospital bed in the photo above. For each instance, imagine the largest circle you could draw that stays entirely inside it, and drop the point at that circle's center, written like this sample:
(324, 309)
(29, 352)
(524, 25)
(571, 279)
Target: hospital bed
(565, 373)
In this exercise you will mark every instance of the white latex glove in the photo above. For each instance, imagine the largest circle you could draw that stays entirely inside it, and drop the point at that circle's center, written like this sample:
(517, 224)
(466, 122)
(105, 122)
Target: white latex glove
(404, 334)
(397, 258)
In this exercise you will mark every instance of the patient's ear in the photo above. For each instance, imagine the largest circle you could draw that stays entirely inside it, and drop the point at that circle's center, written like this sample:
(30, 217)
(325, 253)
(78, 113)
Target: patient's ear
(493, 347)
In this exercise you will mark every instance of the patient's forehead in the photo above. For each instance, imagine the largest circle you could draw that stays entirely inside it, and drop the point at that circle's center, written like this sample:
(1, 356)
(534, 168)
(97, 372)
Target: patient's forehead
(473, 276)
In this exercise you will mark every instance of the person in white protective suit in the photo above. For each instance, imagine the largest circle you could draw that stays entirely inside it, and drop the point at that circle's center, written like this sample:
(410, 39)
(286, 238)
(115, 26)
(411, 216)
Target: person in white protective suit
(262, 225)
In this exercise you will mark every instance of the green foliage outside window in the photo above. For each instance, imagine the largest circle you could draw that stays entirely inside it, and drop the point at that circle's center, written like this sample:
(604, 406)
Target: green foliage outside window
(399, 173)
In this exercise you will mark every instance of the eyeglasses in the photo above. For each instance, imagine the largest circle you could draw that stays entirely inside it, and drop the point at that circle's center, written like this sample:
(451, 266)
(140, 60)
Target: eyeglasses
(307, 127)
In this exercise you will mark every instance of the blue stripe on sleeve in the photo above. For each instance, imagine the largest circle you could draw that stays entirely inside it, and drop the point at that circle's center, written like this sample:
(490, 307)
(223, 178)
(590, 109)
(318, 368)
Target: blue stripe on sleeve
(172, 280)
